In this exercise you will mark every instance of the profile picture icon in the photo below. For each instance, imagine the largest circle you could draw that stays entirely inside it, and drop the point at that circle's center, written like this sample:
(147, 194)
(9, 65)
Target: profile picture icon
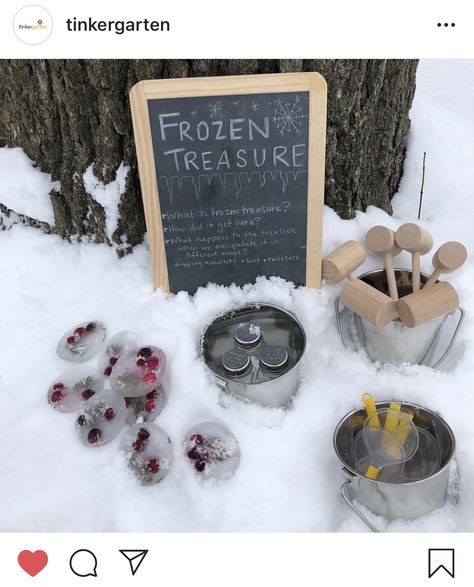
(32, 24)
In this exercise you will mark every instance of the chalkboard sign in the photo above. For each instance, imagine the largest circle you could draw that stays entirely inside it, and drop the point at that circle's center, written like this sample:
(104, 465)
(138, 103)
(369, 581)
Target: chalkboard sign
(232, 175)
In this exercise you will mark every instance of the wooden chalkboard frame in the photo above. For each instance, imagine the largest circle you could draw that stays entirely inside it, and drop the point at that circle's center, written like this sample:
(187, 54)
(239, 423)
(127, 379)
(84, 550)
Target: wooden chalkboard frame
(146, 90)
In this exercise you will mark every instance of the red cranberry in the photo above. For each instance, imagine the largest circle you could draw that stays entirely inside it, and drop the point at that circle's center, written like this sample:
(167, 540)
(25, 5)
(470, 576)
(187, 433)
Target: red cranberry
(91, 327)
(128, 401)
(197, 438)
(81, 420)
(200, 466)
(71, 340)
(108, 371)
(150, 405)
(144, 352)
(80, 331)
(56, 396)
(152, 395)
(204, 456)
(137, 445)
(87, 393)
(113, 360)
(153, 363)
(153, 465)
(140, 362)
(109, 414)
(143, 434)
(193, 454)
(149, 378)
(58, 386)
(94, 436)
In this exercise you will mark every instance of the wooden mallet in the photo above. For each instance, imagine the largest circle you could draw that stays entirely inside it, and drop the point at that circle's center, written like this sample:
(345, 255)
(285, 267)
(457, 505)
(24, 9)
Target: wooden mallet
(358, 296)
(381, 240)
(415, 240)
(343, 261)
(427, 304)
(447, 258)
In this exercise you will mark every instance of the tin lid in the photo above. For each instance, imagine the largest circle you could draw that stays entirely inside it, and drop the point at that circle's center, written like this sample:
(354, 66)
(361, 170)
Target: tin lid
(235, 361)
(273, 358)
(247, 335)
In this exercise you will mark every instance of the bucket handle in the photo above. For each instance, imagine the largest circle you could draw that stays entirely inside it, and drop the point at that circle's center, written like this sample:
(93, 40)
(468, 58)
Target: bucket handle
(453, 338)
(350, 502)
(438, 362)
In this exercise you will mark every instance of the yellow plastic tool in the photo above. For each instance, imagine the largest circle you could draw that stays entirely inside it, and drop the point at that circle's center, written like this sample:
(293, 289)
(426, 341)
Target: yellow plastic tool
(372, 472)
(370, 408)
(403, 430)
(392, 420)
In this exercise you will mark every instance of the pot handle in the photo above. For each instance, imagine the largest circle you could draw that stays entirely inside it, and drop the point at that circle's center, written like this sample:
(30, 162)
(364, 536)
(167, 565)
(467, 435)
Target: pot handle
(355, 509)
(453, 339)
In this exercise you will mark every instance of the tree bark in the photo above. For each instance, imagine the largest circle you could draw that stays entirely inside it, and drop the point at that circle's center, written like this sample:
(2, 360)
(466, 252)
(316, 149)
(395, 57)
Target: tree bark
(69, 114)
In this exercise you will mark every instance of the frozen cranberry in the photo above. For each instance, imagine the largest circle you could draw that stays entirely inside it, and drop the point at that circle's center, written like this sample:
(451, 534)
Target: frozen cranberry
(193, 454)
(143, 434)
(108, 371)
(152, 395)
(140, 362)
(153, 363)
(71, 339)
(56, 396)
(81, 420)
(153, 465)
(144, 352)
(109, 414)
(150, 405)
(197, 438)
(94, 436)
(113, 360)
(91, 327)
(58, 386)
(87, 393)
(80, 331)
(128, 401)
(137, 445)
(149, 378)
(200, 466)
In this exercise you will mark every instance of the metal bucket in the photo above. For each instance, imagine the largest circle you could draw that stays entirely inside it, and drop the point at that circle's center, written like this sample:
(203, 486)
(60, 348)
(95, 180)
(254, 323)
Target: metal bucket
(280, 328)
(396, 343)
(405, 500)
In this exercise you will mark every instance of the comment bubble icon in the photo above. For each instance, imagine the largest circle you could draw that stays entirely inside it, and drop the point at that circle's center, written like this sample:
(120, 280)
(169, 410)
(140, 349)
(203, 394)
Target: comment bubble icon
(83, 563)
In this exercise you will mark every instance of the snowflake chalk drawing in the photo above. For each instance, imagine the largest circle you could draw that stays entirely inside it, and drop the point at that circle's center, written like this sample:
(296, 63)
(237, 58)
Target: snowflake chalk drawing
(288, 117)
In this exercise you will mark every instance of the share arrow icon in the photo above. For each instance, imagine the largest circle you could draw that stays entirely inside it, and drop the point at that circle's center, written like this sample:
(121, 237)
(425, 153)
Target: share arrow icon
(135, 558)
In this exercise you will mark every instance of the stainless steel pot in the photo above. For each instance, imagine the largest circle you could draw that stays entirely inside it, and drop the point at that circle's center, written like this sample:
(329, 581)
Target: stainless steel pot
(280, 328)
(396, 343)
(407, 500)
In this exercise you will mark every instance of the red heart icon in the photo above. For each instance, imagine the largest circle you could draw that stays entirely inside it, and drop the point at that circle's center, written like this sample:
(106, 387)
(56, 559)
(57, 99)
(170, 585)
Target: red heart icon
(32, 562)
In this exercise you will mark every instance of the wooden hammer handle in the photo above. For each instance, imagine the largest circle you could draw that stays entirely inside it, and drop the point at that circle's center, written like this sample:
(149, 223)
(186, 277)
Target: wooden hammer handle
(392, 284)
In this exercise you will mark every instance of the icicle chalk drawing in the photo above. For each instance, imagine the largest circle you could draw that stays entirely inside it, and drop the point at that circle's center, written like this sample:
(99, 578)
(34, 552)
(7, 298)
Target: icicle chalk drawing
(232, 177)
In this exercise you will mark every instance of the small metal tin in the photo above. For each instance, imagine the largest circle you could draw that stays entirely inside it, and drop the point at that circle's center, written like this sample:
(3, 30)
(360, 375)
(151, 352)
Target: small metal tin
(247, 335)
(236, 362)
(273, 358)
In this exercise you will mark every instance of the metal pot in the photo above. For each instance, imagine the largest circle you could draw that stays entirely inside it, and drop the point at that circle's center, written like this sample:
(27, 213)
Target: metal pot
(396, 343)
(280, 328)
(405, 500)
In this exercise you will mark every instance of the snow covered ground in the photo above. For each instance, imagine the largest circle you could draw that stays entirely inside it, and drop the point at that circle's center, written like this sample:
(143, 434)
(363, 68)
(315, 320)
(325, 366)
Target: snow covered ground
(289, 476)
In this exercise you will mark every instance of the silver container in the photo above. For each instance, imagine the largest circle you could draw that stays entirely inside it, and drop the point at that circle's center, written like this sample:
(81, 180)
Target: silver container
(396, 343)
(280, 328)
(407, 500)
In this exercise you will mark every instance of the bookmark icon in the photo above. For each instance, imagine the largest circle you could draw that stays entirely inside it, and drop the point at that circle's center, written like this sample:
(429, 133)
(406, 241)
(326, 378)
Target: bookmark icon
(135, 558)
(440, 559)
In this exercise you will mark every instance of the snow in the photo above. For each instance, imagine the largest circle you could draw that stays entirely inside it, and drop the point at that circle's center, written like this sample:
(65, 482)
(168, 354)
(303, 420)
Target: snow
(289, 476)
(23, 187)
(107, 195)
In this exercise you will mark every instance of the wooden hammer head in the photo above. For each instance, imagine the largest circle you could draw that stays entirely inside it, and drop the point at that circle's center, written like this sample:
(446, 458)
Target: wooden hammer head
(414, 239)
(343, 261)
(427, 304)
(450, 256)
(381, 240)
(368, 302)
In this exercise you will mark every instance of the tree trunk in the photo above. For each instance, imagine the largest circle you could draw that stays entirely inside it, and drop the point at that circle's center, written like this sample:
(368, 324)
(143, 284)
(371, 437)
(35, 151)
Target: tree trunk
(70, 114)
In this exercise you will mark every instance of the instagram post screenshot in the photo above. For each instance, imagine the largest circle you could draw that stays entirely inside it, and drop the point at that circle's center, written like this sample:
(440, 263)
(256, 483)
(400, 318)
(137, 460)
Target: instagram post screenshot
(237, 283)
